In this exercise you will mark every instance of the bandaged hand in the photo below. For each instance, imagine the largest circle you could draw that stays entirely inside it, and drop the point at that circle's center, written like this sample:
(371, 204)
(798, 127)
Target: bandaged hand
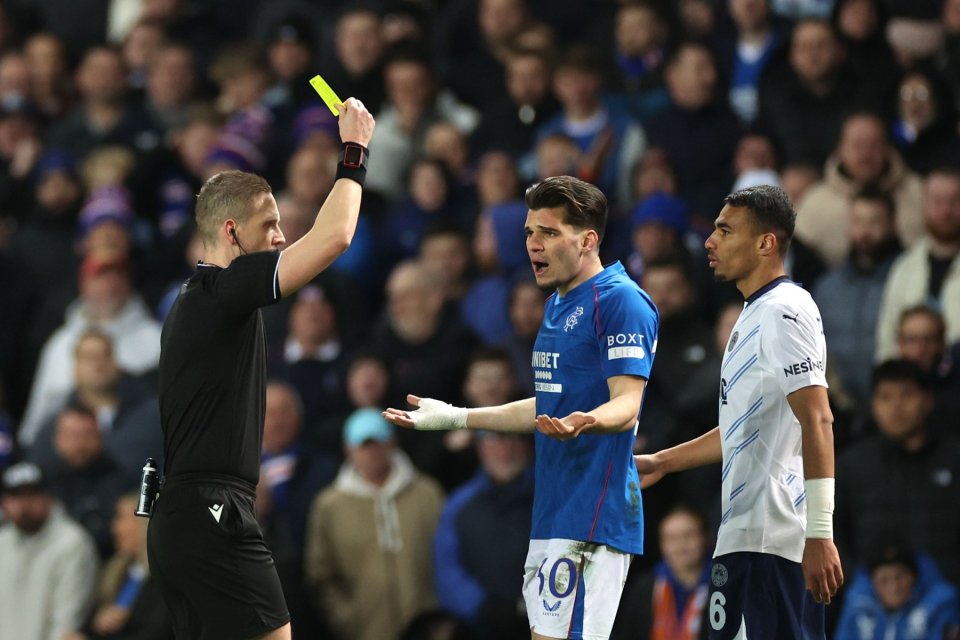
(436, 415)
(430, 415)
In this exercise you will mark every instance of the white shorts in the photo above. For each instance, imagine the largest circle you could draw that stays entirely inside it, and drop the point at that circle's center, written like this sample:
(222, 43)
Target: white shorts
(572, 589)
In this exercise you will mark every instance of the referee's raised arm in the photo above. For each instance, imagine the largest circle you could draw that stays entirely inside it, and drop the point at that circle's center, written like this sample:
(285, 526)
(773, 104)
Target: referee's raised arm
(336, 222)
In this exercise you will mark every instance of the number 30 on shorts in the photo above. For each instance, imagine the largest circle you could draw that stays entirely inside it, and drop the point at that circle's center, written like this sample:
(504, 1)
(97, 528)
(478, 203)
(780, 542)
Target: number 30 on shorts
(562, 579)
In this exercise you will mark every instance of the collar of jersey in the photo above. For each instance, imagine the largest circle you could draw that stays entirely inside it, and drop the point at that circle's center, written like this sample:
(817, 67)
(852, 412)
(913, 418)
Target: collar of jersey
(773, 284)
(611, 269)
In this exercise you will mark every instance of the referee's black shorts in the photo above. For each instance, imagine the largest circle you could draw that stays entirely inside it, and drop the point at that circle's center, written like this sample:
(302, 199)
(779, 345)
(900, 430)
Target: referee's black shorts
(208, 557)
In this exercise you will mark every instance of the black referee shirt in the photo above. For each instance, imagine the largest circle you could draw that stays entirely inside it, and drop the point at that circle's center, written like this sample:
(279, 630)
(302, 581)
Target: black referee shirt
(213, 369)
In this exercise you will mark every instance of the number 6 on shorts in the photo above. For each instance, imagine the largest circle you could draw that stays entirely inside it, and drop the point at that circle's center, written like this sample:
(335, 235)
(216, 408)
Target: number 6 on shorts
(718, 617)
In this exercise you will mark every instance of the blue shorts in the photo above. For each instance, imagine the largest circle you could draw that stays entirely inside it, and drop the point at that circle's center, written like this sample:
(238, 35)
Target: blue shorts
(754, 596)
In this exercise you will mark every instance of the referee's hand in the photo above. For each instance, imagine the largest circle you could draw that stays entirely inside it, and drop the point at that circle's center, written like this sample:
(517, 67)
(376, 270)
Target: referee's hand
(356, 123)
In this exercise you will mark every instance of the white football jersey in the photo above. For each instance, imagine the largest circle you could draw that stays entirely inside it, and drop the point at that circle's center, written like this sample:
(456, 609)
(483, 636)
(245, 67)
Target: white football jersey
(776, 347)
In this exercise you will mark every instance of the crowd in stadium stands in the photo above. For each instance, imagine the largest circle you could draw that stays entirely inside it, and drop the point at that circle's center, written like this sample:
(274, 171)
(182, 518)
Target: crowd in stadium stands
(112, 114)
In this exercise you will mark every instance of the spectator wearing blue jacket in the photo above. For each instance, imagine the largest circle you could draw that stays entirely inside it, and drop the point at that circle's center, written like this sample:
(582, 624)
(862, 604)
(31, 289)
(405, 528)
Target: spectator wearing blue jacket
(899, 596)
(481, 541)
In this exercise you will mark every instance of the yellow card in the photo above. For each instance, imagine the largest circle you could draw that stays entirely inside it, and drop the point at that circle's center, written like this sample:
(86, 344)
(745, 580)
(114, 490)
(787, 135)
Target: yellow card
(326, 93)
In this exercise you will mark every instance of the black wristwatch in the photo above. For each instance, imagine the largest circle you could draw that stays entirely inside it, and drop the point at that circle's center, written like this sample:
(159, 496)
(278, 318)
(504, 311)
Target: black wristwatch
(353, 155)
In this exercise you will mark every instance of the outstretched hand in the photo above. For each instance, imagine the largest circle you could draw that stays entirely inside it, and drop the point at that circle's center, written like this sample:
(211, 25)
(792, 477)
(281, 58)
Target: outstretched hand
(565, 428)
(430, 415)
(400, 417)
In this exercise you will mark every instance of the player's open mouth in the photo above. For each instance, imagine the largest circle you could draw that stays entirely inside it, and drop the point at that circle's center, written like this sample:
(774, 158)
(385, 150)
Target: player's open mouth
(538, 267)
(711, 260)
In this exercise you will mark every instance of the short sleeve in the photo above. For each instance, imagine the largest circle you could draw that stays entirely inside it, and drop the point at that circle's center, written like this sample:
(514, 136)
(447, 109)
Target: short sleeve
(793, 344)
(249, 282)
(628, 324)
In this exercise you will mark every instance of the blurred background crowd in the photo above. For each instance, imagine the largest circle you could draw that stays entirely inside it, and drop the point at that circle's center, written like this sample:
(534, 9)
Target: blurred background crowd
(112, 114)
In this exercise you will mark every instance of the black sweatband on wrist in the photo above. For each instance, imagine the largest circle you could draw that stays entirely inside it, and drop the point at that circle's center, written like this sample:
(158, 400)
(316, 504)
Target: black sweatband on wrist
(357, 174)
(352, 162)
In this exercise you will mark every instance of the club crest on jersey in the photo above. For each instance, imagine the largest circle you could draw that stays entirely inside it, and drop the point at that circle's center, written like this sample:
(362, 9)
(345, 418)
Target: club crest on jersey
(571, 321)
(733, 341)
(719, 575)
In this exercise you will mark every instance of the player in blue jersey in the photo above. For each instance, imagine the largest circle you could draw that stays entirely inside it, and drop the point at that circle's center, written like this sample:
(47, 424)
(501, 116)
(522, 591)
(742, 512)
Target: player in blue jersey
(775, 564)
(591, 361)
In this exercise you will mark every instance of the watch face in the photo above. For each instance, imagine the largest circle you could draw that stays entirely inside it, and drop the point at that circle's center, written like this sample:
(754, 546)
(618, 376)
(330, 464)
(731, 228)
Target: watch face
(352, 156)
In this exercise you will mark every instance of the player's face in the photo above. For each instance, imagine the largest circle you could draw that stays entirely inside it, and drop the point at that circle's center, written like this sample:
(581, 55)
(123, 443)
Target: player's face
(731, 248)
(556, 249)
(262, 229)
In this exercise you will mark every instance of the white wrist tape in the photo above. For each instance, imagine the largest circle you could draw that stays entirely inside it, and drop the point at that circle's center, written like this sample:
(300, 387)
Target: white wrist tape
(436, 415)
(819, 508)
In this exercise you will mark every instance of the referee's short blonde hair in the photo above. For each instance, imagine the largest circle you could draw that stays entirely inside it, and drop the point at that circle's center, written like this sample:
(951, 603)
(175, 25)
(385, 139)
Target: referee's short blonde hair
(228, 194)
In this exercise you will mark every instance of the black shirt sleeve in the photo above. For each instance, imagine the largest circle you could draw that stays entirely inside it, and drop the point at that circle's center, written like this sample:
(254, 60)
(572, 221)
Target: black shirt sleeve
(248, 283)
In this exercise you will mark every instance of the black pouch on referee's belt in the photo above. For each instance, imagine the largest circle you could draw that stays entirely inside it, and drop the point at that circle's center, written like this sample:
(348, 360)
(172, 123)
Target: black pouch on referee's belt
(149, 488)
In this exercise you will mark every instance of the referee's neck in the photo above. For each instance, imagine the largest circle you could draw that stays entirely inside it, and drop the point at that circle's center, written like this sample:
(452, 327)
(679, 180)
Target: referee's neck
(218, 257)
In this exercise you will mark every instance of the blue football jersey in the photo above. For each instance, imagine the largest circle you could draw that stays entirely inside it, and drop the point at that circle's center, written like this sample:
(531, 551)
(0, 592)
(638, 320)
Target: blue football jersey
(587, 488)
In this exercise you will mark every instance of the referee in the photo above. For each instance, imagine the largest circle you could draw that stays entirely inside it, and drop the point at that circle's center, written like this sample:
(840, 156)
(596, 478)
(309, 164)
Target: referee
(205, 547)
